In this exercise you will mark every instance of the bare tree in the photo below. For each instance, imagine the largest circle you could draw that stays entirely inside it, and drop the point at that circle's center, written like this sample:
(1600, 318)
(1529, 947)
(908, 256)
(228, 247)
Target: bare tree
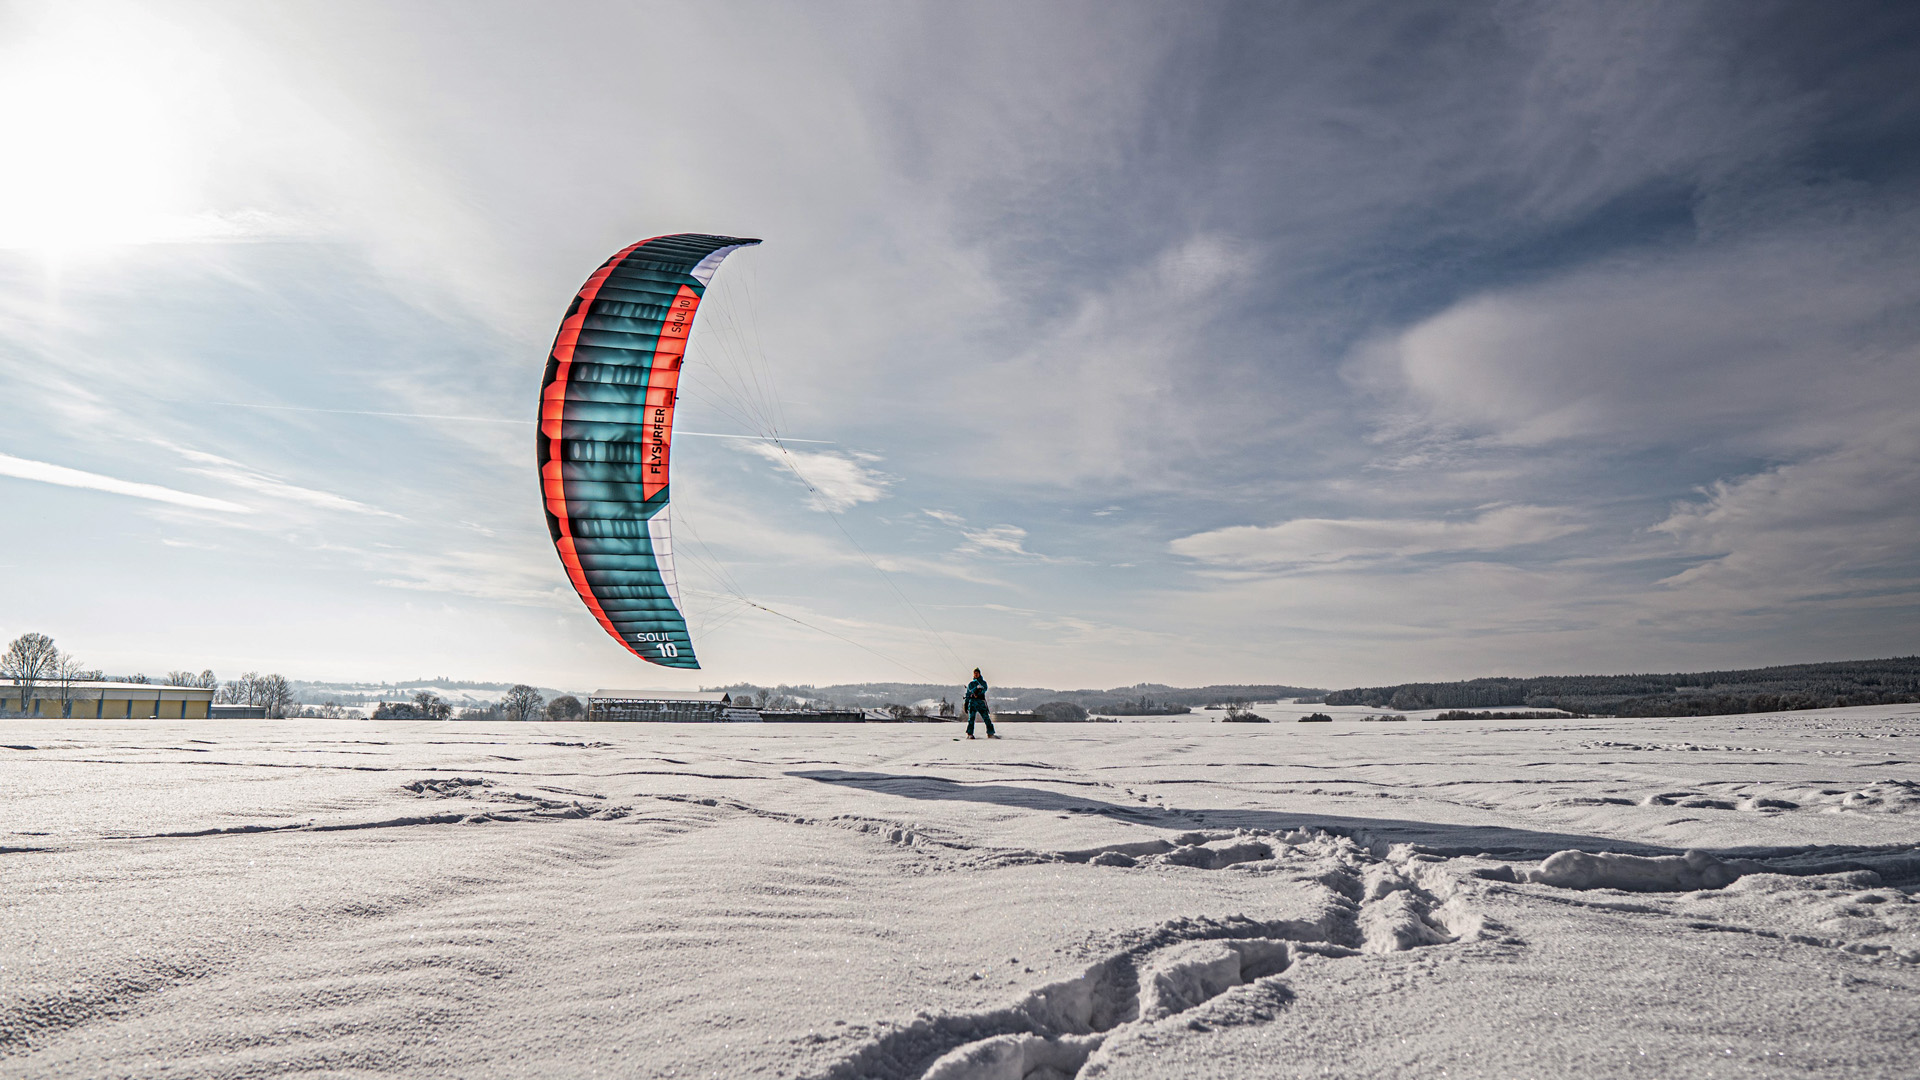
(239, 691)
(275, 693)
(522, 702)
(205, 680)
(270, 692)
(67, 676)
(428, 706)
(328, 710)
(29, 661)
(566, 707)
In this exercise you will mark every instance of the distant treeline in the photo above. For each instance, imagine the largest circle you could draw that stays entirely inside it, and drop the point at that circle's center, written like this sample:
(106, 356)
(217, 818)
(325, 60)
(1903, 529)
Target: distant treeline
(1461, 714)
(1703, 693)
(1141, 699)
(344, 693)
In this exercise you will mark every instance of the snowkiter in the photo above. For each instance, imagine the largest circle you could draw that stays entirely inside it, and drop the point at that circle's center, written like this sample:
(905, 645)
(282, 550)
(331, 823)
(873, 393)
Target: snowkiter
(977, 703)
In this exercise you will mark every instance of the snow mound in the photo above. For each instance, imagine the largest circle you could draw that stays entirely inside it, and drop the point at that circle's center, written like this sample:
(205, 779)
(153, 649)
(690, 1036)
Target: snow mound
(1850, 881)
(1884, 797)
(1217, 856)
(447, 787)
(1016, 1057)
(1197, 850)
(1191, 974)
(1635, 873)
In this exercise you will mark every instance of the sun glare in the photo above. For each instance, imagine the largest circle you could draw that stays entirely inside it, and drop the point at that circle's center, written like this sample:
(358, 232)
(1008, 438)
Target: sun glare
(90, 126)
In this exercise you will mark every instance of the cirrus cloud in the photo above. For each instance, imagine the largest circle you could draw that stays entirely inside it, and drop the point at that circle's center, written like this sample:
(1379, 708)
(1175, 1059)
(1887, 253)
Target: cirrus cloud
(1305, 542)
(834, 480)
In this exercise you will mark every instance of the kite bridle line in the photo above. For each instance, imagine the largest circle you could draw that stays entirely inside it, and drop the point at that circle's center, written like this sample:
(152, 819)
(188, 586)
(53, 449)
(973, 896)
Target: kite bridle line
(829, 633)
(746, 381)
(713, 565)
(926, 627)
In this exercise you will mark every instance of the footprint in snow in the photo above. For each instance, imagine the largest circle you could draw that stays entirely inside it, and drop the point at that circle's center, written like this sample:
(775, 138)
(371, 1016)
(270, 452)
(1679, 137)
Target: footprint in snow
(1198, 972)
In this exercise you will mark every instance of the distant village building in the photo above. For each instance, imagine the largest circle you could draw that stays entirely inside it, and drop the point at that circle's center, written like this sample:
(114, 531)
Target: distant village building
(109, 701)
(666, 706)
(814, 716)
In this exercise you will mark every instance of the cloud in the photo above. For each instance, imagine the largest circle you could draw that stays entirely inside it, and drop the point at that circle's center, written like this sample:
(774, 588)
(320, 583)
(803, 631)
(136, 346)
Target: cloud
(1836, 528)
(1124, 360)
(45, 473)
(1001, 541)
(232, 472)
(835, 481)
(706, 528)
(511, 577)
(1783, 339)
(1006, 540)
(1323, 541)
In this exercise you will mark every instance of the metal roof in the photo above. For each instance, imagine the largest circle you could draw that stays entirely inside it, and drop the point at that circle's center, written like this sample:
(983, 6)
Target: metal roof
(44, 685)
(714, 697)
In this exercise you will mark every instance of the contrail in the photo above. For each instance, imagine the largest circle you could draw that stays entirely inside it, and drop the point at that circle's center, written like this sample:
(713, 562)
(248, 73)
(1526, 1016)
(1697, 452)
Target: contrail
(367, 412)
(47, 473)
(474, 419)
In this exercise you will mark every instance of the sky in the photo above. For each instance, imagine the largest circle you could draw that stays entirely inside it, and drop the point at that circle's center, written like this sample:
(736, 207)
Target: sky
(1325, 345)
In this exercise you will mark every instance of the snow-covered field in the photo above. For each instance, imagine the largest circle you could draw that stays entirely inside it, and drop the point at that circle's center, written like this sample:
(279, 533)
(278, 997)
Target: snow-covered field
(1147, 899)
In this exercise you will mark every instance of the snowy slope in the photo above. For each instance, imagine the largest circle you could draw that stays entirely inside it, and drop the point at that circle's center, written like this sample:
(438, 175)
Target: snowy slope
(1148, 899)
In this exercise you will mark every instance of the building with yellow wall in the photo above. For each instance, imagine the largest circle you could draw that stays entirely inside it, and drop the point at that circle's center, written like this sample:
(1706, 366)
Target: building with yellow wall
(108, 701)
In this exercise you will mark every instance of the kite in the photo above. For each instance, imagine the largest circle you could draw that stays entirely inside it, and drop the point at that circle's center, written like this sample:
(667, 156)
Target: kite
(605, 441)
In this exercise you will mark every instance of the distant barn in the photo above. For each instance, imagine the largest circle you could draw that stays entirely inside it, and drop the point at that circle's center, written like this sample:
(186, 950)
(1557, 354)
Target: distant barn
(94, 700)
(666, 706)
(814, 716)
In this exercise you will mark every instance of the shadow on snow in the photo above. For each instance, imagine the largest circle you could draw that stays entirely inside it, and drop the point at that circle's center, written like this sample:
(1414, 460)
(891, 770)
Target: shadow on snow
(1435, 837)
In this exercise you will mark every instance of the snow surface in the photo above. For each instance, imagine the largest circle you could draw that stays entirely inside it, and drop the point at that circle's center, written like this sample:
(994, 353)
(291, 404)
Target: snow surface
(1717, 897)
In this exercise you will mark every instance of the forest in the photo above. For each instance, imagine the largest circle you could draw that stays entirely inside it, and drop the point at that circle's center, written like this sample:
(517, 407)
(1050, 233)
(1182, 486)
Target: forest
(1701, 693)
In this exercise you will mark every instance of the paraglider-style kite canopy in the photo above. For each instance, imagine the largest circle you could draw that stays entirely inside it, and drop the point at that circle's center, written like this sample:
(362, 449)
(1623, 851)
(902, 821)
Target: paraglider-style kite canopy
(606, 436)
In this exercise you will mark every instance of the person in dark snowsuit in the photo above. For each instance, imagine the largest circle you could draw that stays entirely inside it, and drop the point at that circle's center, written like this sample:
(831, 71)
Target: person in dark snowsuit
(977, 703)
